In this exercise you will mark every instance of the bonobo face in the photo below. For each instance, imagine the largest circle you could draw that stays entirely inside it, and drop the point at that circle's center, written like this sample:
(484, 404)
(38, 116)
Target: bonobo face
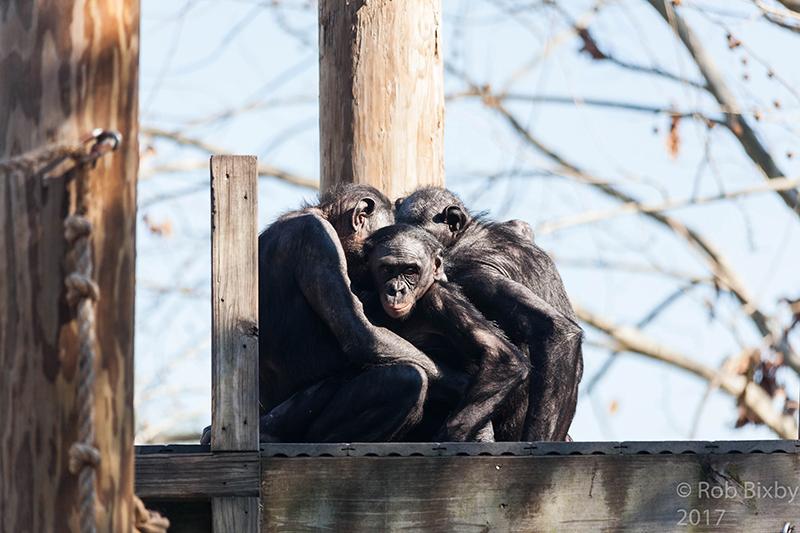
(437, 210)
(404, 265)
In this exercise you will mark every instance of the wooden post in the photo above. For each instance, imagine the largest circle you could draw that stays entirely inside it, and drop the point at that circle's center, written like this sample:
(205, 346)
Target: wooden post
(381, 95)
(234, 325)
(67, 66)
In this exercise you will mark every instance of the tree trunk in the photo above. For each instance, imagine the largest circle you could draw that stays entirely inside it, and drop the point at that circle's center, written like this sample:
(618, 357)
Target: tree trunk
(381, 94)
(67, 66)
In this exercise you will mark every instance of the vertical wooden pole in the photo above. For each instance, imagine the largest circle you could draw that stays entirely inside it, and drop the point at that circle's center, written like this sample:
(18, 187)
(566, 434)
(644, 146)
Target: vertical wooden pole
(234, 325)
(381, 93)
(67, 66)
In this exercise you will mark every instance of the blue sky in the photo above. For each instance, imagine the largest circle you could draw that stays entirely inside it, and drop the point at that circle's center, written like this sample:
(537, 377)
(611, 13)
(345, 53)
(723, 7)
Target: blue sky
(202, 57)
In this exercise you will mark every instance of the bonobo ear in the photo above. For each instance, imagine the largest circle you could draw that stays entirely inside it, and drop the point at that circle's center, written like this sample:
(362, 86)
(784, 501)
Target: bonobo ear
(438, 267)
(398, 202)
(455, 218)
(363, 210)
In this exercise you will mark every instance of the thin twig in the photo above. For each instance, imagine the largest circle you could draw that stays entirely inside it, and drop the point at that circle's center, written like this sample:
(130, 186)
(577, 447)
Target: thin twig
(263, 169)
(718, 264)
(756, 399)
(719, 89)
(777, 184)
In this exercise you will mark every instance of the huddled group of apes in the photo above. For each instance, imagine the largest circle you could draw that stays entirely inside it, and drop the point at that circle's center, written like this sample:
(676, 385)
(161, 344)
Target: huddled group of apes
(414, 321)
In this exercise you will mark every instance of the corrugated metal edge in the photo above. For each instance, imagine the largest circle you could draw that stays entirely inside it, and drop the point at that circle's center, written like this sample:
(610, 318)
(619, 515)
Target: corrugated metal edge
(496, 449)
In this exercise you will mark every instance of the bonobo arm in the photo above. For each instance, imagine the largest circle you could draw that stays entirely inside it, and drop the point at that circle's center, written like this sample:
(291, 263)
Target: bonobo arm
(501, 366)
(322, 277)
(553, 390)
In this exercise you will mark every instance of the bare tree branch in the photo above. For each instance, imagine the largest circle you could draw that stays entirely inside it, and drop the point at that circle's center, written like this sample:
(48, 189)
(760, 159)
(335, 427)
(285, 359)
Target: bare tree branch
(718, 264)
(777, 184)
(591, 102)
(736, 123)
(263, 169)
(751, 394)
(792, 5)
(590, 46)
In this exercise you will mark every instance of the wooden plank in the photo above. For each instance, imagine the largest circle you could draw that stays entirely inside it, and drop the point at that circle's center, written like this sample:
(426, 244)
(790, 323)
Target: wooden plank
(234, 326)
(539, 493)
(234, 303)
(234, 514)
(381, 94)
(197, 476)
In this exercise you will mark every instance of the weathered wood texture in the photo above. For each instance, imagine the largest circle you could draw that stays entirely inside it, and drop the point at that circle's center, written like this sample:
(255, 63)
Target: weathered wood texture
(234, 303)
(66, 67)
(574, 493)
(234, 325)
(197, 476)
(381, 94)
(234, 515)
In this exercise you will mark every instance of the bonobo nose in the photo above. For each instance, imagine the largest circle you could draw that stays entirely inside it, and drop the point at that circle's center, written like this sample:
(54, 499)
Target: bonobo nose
(395, 288)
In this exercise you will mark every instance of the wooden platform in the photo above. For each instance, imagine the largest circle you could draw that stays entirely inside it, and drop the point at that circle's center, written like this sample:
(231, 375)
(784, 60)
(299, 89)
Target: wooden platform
(614, 486)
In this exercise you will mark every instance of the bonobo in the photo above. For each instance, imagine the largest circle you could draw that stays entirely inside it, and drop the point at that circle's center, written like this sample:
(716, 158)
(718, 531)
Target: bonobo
(514, 283)
(326, 373)
(407, 270)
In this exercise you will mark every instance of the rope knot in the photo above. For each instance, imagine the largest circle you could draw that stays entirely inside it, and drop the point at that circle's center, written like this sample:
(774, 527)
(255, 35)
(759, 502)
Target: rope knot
(80, 287)
(75, 227)
(82, 454)
(146, 521)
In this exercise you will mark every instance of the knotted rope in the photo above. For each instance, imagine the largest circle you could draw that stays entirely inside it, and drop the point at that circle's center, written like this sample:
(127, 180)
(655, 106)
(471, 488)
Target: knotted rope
(82, 293)
(146, 521)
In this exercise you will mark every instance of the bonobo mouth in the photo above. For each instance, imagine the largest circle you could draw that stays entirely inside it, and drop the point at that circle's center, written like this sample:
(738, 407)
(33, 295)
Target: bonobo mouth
(396, 310)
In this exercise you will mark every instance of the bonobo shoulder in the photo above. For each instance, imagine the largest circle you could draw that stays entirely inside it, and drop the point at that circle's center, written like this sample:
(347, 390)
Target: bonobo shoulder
(520, 228)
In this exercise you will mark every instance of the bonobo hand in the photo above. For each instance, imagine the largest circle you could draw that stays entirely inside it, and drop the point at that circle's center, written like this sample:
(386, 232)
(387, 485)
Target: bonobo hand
(457, 429)
(390, 348)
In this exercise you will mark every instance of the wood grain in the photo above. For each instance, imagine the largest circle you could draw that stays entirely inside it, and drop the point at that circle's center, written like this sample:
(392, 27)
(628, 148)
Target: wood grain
(381, 94)
(234, 304)
(67, 66)
(197, 476)
(234, 515)
(234, 326)
(574, 493)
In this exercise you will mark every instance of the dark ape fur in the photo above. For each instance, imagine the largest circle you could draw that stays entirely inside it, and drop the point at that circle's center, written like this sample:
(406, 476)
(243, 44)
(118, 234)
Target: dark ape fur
(514, 283)
(479, 365)
(326, 373)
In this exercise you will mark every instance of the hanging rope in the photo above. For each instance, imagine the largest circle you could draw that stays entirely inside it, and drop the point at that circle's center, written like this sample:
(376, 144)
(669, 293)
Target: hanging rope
(40, 161)
(81, 294)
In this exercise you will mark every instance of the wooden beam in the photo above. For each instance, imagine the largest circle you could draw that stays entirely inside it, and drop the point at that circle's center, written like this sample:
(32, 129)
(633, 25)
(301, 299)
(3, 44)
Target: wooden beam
(234, 303)
(197, 476)
(67, 67)
(234, 325)
(696, 492)
(381, 94)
